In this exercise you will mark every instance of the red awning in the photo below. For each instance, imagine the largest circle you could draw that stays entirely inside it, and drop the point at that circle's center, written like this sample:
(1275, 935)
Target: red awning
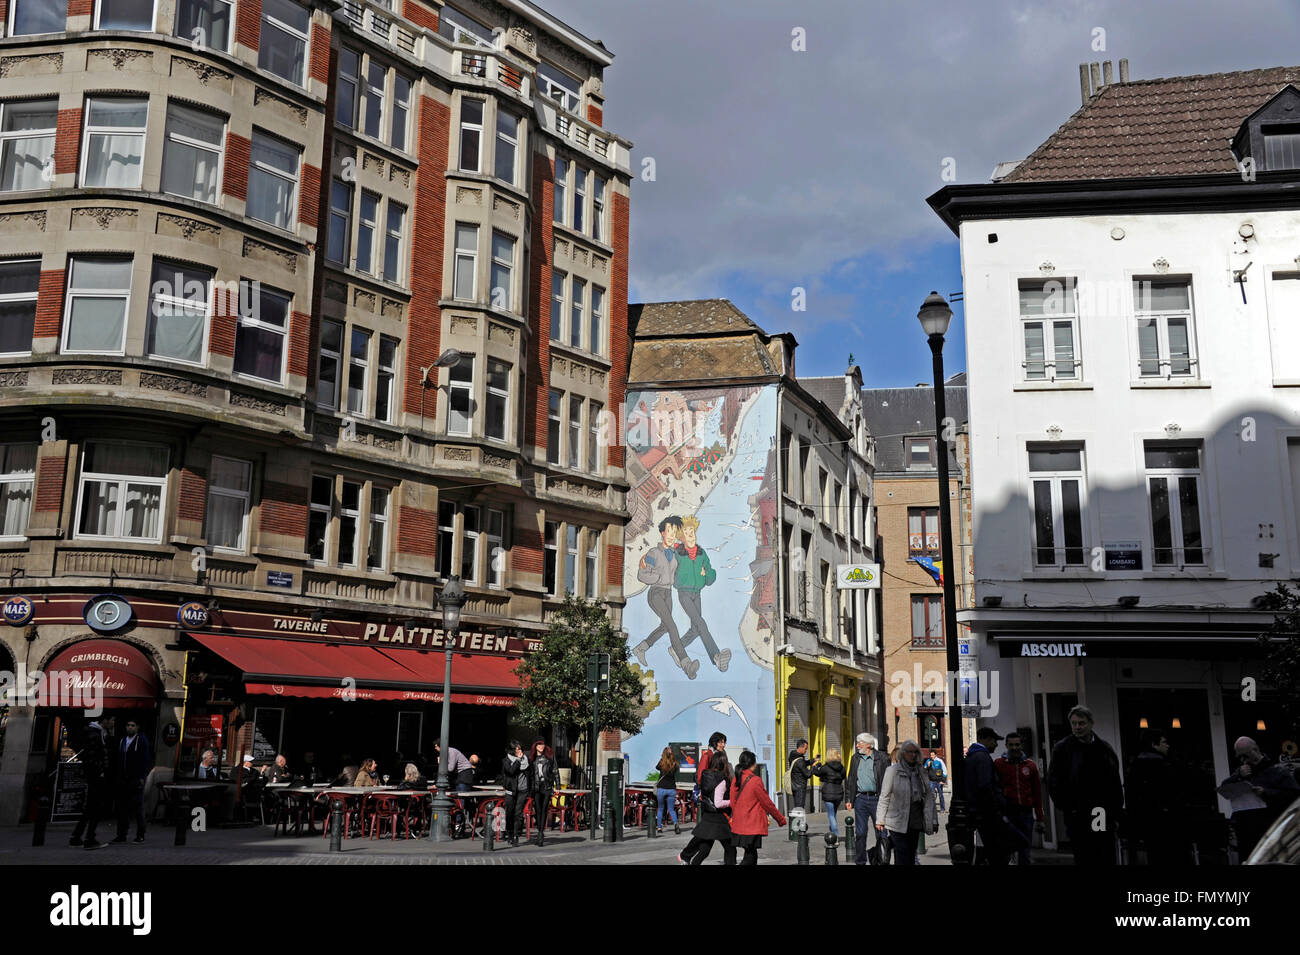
(302, 668)
(121, 674)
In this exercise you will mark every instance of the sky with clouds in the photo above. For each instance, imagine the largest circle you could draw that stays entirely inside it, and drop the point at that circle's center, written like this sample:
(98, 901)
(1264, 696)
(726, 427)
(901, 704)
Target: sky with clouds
(778, 169)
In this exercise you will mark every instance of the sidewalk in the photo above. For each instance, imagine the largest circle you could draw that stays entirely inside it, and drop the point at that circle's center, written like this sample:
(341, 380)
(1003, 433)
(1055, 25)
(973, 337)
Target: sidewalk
(257, 846)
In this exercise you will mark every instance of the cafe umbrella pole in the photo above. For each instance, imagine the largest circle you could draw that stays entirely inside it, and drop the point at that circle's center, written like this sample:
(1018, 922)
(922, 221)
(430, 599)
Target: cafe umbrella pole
(451, 599)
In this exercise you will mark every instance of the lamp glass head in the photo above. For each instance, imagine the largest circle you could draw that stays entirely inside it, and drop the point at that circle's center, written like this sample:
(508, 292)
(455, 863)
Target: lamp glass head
(934, 315)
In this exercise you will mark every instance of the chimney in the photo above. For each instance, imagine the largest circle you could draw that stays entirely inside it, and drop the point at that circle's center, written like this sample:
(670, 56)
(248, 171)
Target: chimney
(1096, 78)
(1123, 71)
(1107, 73)
(1085, 87)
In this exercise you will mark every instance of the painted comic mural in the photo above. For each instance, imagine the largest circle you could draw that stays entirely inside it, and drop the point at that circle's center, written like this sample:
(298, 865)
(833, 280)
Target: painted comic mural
(699, 574)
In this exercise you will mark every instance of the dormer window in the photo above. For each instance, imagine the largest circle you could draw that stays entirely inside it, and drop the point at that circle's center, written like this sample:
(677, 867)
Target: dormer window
(1270, 137)
(1282, 147)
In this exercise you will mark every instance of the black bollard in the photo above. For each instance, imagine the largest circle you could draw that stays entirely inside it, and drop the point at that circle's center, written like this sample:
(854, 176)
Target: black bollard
(832, 850)
(489, 832)
(850, 842)
(651, 824)
(42, 819)
(336, 825)
(802, 857)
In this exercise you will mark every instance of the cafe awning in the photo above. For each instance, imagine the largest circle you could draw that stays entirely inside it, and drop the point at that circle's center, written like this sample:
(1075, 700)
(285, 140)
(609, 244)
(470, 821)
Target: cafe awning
(121, 674)
(314, 670)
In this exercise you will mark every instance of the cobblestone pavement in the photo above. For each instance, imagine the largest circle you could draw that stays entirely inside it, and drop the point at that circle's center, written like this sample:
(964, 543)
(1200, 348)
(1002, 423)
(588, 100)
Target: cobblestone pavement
(257, 846)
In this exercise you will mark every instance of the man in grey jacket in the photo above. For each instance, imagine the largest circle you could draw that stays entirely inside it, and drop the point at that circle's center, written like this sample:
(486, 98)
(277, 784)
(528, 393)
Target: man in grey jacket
(862, 787)
(658, 569)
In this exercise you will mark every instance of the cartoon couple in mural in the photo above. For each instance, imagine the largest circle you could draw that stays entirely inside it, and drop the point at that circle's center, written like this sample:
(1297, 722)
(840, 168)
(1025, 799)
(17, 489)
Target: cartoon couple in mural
(679, 563)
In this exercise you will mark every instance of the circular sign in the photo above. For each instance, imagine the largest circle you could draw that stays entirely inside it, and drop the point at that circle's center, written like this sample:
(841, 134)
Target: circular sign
(171, 734)
(107, 613)
(192, 614)
(18, 611)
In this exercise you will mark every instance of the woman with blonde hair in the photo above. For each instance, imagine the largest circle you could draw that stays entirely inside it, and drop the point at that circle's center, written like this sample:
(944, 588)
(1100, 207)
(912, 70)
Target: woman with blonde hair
(666, 790)
(831, 773)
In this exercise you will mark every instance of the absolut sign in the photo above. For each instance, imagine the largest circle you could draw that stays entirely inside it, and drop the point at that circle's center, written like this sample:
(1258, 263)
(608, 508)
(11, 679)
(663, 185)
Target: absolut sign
(1053, 650)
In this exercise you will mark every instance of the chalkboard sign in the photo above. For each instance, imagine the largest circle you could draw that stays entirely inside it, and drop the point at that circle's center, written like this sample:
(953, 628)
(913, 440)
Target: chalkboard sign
(69, 792)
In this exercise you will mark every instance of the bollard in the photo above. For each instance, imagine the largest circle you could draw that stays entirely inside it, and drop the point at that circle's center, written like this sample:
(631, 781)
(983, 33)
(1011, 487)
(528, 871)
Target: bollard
(336, 825)
(849, 841)
(802, 856)
(651, 824)
(832, 852)
(490, 835)
(43, 806)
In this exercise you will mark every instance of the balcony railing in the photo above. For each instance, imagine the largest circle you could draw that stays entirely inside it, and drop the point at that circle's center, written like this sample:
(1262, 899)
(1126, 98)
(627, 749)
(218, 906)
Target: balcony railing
(376, 19)
(490, 65)
(585, 135)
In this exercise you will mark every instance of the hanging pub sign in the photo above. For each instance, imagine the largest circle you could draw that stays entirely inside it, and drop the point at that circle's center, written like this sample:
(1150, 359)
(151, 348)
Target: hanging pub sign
(18, 611)
(192, 615)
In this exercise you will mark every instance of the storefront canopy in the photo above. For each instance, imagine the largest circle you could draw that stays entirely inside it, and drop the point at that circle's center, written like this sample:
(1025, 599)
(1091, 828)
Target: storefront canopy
(301, 668)
(122, 673)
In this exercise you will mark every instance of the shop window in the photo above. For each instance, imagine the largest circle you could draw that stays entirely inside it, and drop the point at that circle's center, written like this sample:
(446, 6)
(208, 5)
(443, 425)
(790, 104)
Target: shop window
(122, 491)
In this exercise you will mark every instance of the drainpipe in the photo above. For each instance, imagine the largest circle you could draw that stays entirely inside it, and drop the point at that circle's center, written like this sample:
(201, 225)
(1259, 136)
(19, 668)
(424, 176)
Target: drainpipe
(779, 668)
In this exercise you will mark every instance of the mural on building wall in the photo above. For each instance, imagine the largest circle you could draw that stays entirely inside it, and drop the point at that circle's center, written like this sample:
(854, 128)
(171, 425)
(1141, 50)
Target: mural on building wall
(699, 576)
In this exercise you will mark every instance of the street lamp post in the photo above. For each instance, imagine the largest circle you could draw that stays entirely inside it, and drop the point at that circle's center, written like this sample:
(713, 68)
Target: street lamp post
(934, 317)
(451, 599)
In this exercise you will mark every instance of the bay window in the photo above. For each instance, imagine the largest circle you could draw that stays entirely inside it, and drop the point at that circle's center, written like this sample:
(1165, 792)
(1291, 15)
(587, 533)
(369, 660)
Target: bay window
(579, 197)
(349, 81)
(558, 279)
(507, 146)
(446, 537)
(121, 491)
(282, 47)
(401, 111)
(29, 17)
(273, 180)
(340, 227)
(99, 291)
(471, 135)
(377, 543)
(496, 555)
(372, 103)
(17, 480)
(559, 86)
(503, 263)
(349, 522)
(598, 207)
(19, 282)
(460, 411)
(466, 269)
(192, 153)
(27, 129)
(561, 185)
(331, 360)
(178, 312)
(593, 559)
(393, 242)
(469, 518)
(594, 411)
(367, 227)
(571, 559)
(596, 332)
(319, 515)
(498, 399)
(386, 378)
(113, 141)
(260, 338)
(575, 429)
(229, 495)
(577, 304)
(123, 14)
(553, 428)
(205, 21)
(358, 371)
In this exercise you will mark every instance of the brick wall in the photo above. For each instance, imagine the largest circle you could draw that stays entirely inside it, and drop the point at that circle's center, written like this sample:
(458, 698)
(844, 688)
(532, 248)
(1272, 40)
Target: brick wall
(424, 326)
(417, 531)
(614, 566)
(539, 303)
(49, 483)
(526, 555)
(319, 67)
(193, 494)
(221, 333)
(322, 215)
(618, 319)
(80, 8)
(595, 114)
(309, 199)
(238, 152)
(299, 343)
(284, 510)
(248, 22)
(420, 15)
(67, 141)
(49, 304)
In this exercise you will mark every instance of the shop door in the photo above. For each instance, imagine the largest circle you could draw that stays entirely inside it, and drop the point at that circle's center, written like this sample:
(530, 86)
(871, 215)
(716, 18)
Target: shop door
(797, 709)
(1183, 715)
(1052, 714)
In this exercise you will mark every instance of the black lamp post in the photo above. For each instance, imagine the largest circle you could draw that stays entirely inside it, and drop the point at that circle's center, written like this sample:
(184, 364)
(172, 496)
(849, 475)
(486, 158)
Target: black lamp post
(451, 599)
(934, 317)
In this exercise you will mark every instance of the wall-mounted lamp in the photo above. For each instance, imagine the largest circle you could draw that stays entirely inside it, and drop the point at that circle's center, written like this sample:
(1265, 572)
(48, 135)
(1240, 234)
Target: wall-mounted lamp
(1143, 724)
(1260, 727)
(1176, 723)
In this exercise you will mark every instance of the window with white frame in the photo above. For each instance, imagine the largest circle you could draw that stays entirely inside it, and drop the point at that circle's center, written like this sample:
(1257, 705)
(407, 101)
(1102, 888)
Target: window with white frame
(594, 411)
(575, 430)
(571, 559)
(596, 322)
(401, 111)
(282, 47)
(461, 28)
(496, 553)
(260, 338)
(113, 141)
(920, 453)
(20, 281)
(349, 522)
(367, 228)
(460, 409)
(553, 427)
(123, 14)
(550, 556)
(559, 86)
(179, 296)
(229, 496)
(340, 228)
(558, 279)
(99, 291)
(205, 22)
(498, 399)
(1056, 493)
(358, 371)
(1173, 471)
(393, 235)
(27, 130)
(1165, 332)
(386, 378)
(446, 537)
(590, 574)
(192, 152)
(470, 529)
(372, 103)
(1049, 324)
(466, 270)
(1284, 324)
(377, 543)
(471, 135)
(17, 479)
(122, 490)
(579, 198)
(507, 147)
(29, 17)
(347, 88)
(273, 180)
(503, 264)
(578, 301)
(598, 186)
(561, 188)
(319, 516)
(331, 360)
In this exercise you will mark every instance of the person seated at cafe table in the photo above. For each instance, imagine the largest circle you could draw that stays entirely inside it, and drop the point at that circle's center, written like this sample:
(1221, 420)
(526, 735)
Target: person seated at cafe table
(207, 768)
(278, 772)
(368, 775)
(414, 779)
(346, 778)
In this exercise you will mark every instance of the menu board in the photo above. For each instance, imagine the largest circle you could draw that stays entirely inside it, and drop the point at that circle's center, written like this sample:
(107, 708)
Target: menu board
(69, 792)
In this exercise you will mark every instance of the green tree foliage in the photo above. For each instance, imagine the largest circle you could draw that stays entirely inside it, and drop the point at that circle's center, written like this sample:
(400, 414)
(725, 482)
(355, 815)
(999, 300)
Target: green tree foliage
(554, 678)
(1282, 650)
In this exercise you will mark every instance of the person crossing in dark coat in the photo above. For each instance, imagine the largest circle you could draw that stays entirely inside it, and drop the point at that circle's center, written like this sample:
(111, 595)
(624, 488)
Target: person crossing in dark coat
(1155, 802)
(831, 774)
(543, 779)
(94, 756)
(134, 760)
(801, 772)
(514, 774)
(714, 824)
(985, 798)
(1083, 781)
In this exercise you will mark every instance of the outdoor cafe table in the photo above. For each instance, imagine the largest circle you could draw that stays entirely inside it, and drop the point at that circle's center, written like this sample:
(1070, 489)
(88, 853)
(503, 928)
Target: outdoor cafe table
(572, 807)
(478, 792)
(185, 796)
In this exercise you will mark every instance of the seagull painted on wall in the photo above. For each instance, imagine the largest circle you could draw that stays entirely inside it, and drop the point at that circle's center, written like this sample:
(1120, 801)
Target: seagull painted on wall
(727, 707)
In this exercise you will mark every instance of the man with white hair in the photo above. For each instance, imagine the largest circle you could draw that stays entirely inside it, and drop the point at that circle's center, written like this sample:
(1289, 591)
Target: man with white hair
(1274, 788)
(862, 786)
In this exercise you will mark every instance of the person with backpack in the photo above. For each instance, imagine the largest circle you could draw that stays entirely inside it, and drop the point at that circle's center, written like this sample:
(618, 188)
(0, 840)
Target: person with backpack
(750, 807)
(937, 773)
(714, 824)
(831, 773)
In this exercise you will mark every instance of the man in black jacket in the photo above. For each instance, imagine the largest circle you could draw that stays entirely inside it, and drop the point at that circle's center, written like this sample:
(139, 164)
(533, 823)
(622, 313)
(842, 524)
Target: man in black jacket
(985, 798)
(94, 757)
(800, 774)
(134, 760)
(862, 790)
(1083, 780)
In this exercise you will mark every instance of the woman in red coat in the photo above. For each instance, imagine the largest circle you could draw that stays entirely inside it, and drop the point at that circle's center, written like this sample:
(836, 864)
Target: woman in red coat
(750, 807)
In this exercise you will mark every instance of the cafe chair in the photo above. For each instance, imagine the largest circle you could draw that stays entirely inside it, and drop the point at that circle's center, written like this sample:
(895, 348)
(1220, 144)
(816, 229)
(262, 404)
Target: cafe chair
(352, 806)
(557, 811)
(483, 815)
(298, 807)
(390, 809)
(528, 819)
